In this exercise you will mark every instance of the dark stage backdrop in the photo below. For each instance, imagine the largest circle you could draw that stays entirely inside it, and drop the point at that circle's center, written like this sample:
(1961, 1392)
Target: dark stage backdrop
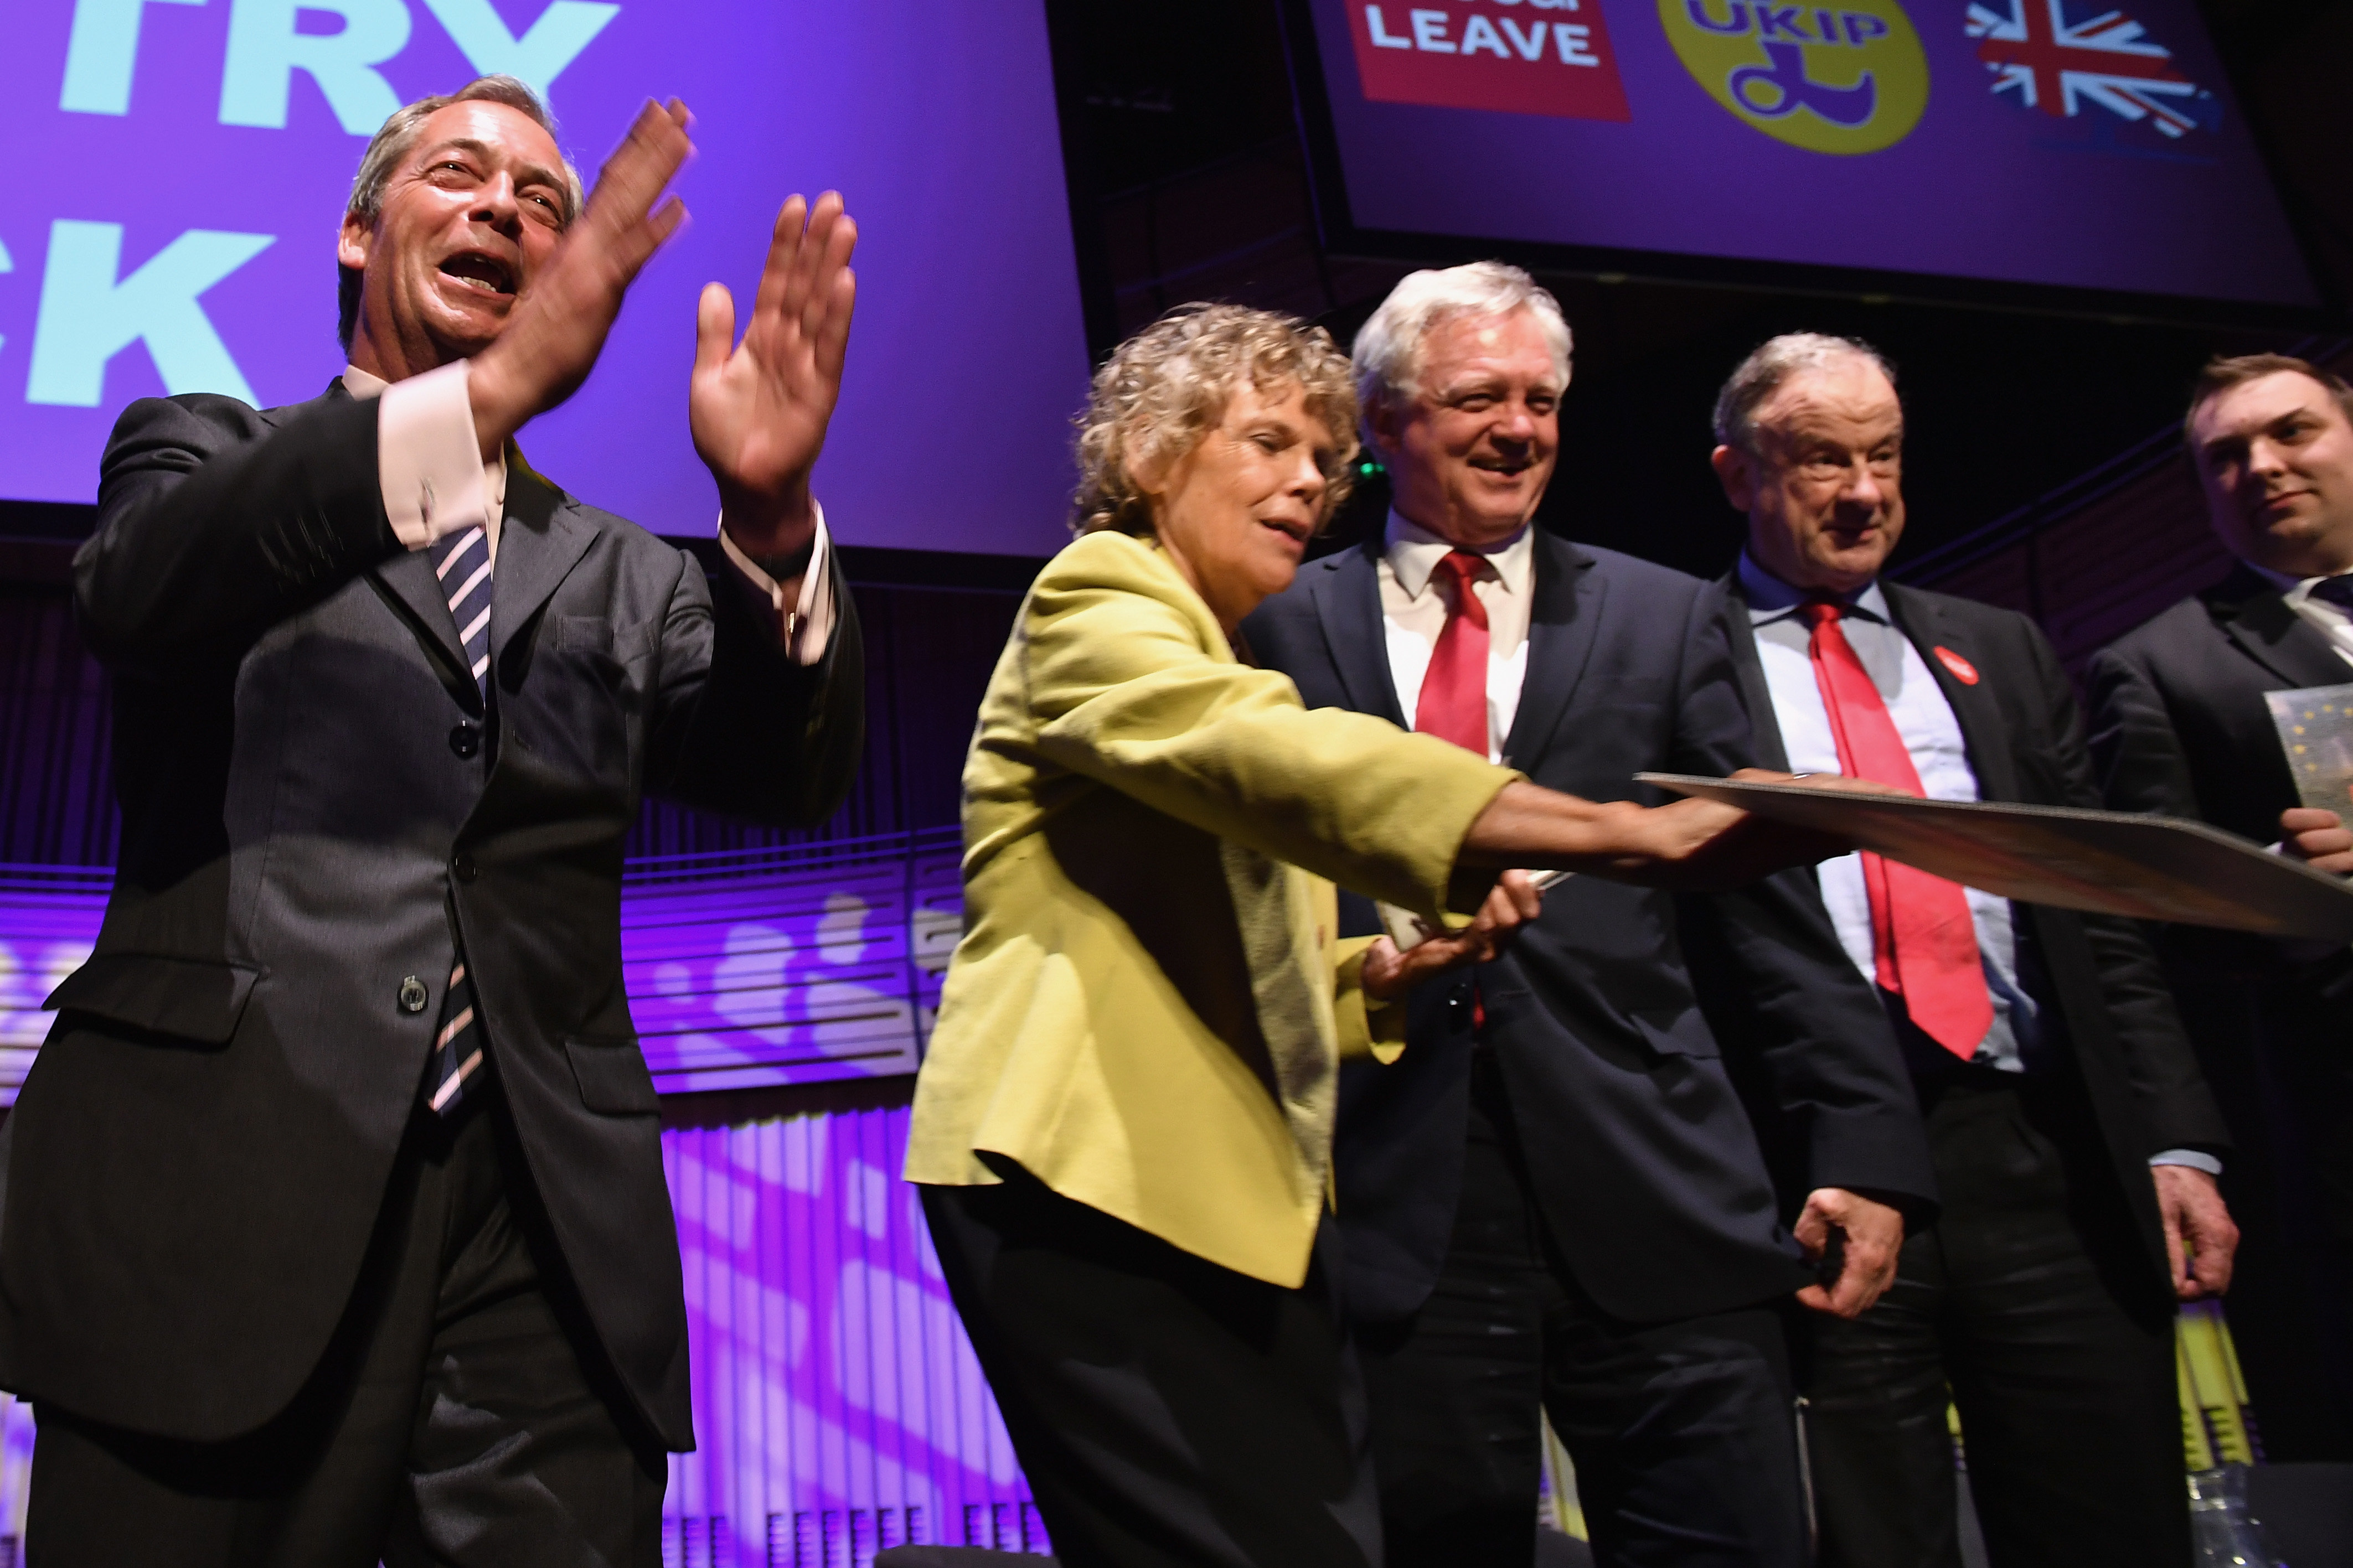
(2104, 552)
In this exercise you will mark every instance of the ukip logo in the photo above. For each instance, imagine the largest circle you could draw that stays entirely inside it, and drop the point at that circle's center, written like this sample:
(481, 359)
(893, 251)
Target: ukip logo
(1846, 79)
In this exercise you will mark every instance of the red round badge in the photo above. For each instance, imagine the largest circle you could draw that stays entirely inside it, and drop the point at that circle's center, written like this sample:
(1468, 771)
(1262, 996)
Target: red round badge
(1963, 671)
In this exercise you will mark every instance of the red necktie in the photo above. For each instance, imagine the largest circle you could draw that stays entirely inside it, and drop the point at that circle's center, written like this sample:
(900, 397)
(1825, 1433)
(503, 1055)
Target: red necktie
(1924, 944)
(1453, 704)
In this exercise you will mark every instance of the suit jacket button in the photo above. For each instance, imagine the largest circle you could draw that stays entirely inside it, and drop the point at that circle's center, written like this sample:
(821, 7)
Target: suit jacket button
(413, 996)
(466, 739)
(463, 864)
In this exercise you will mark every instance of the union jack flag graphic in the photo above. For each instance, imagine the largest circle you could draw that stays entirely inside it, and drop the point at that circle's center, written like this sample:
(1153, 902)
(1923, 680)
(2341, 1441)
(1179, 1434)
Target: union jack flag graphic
(2056, 66)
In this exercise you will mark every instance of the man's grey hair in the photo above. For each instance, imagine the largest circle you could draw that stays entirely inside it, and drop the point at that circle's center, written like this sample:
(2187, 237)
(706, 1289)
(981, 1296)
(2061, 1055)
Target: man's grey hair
(1388, 353)
(1773, 363)
(395, 138)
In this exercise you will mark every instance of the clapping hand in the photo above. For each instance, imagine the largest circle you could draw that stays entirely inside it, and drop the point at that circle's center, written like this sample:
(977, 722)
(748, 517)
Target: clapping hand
(558, 327)
(759, 413)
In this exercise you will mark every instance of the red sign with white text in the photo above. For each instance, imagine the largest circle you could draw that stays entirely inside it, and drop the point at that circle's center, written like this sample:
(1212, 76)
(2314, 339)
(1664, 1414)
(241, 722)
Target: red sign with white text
(1522, 56)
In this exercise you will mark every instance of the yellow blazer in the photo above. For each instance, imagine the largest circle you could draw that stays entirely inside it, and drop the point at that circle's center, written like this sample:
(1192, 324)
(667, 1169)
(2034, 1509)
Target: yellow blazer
(1145, 1011)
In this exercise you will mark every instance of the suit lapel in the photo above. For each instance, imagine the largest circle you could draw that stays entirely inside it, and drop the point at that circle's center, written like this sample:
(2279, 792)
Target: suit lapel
(1347, 599)
(539, 543)
(407, 584)
(1974, 707)
(1749, 670)
(1564, 616)
(410, 577)
(2255, 616)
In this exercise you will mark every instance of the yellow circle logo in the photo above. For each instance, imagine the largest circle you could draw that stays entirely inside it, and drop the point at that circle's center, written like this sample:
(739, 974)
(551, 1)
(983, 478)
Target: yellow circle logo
(1848, 77)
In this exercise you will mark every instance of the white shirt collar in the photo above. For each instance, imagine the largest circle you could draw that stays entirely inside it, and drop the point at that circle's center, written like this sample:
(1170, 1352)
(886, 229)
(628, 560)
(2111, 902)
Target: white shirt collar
(1771, 599)
(1414, 552)
(359, 383)
(2294, 590)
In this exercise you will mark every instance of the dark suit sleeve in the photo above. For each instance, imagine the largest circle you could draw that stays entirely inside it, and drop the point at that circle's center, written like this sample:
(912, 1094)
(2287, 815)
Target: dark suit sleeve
(2167, 1084)
(2137, 753)
(1810, 1045)
(739, 727)
(215, 524)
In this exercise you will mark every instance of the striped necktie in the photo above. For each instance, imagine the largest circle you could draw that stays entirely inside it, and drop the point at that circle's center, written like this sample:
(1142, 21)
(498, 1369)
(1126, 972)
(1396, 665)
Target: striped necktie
(462, 561)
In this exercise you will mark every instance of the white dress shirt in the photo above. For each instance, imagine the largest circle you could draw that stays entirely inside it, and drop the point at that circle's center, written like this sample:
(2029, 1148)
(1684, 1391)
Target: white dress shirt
(436, 482)
(2327, 618)
(1925, 719)
(1414, 609)
(1939, 754)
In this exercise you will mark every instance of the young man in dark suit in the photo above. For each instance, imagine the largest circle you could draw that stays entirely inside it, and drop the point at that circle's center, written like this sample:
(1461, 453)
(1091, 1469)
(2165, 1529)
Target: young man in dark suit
(2075, 1142)
(2182, 726)
(1557, 1197)
(335, 1226)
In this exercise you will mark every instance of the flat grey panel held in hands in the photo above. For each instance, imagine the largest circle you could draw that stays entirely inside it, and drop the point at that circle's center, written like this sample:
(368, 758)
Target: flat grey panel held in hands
(2108, 862)
(2316, 730)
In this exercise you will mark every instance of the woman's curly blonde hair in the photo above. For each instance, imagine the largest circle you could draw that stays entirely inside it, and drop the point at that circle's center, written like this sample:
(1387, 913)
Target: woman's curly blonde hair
(1163, 389)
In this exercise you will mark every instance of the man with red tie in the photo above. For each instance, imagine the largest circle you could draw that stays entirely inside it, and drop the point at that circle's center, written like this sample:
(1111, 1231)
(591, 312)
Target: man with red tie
(1561, 1196)
(2075, 1144)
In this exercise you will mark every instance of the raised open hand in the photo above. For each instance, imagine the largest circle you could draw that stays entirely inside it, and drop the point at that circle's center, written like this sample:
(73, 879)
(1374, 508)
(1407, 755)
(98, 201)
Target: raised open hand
(759, 413)
(559, 324)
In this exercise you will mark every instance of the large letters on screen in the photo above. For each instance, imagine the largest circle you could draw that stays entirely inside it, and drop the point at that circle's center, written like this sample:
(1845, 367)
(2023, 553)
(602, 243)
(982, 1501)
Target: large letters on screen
(177, 168)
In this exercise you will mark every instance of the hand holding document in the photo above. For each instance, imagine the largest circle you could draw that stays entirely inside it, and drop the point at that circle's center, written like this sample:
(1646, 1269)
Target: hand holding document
(1394, 966)
(1409, 930)
(2316, 731)
(2106, 862)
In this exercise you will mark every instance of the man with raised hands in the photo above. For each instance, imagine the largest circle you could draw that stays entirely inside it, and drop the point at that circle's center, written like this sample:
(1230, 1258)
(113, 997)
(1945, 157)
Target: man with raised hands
(335, 1228)
(1614, 1160)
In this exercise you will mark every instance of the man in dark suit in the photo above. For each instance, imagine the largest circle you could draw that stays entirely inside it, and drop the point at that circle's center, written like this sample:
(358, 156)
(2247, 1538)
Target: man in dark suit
(2182, 726)
(1556, 1199)
(2074, 1141)
(335, 1223)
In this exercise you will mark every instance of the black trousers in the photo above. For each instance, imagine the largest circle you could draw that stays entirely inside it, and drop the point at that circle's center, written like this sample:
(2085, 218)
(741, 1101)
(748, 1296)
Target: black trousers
(450, 1421)
(2030, 1301)
(1166, 1411)
(1684, 1434)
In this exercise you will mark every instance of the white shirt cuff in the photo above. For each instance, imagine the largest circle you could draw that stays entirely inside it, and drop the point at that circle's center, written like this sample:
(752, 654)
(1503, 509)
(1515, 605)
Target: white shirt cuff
(2189, 1157)
(429, 460)
(805, 627)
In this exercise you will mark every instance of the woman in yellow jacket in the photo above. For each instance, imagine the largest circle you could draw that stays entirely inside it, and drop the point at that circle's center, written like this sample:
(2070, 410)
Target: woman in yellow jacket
(1123, 1128)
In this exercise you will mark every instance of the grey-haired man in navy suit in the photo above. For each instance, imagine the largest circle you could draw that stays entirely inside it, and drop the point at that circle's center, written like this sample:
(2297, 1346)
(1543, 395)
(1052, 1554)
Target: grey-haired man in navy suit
(1559, 1198)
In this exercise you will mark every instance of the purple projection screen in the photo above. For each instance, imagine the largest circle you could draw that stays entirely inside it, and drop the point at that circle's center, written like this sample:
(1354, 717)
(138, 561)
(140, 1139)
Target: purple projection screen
(176, 170)
(2058, 143)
